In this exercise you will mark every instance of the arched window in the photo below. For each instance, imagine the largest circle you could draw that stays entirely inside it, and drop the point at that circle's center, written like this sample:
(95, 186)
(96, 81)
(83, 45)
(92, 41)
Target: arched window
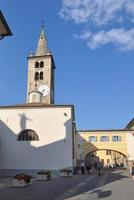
(36, 76)
(36, 64)
(41, 75)
(28, 135)
(41, 64)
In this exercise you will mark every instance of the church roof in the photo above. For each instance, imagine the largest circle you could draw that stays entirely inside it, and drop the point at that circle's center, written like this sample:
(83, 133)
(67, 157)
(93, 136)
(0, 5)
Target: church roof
(42, 48)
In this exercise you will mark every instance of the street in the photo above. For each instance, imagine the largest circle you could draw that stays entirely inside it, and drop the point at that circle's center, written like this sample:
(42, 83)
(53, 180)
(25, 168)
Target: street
(113, 184)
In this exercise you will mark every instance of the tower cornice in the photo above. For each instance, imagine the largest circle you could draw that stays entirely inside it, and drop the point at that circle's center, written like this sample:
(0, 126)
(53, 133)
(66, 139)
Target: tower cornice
(34, 56)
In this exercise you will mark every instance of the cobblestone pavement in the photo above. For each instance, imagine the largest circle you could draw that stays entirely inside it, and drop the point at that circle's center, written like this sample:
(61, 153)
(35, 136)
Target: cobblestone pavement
(114, 184)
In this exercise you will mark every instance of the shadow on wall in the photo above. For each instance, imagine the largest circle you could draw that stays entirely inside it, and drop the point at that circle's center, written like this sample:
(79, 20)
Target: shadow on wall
(23, 121)
(18, 155)
(84, 148)
(88, 146)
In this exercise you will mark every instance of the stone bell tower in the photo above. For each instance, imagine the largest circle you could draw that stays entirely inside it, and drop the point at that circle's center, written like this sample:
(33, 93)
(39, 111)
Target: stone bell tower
(40, 82)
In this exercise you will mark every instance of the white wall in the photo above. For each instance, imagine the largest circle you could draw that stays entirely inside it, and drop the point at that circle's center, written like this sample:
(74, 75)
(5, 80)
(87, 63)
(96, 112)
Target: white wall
(54, 128)
(130, 146)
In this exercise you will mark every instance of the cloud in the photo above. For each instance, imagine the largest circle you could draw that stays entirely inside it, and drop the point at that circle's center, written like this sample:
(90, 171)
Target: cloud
(98, 11)
(102, 15)
(130, 10)
(122, 39)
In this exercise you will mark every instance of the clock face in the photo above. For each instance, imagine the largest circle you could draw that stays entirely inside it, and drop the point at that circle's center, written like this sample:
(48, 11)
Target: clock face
(44, 89)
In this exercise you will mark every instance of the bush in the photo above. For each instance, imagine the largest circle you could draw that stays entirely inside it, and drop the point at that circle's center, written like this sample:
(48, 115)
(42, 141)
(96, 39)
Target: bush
(68, 171)
(45, 172)
(25, 177)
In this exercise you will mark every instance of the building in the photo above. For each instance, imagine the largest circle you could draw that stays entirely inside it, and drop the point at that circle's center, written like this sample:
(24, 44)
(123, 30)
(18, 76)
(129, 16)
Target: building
(41, 67)
(111, 147)
(130, 141)
(40, 135)
(37, 135)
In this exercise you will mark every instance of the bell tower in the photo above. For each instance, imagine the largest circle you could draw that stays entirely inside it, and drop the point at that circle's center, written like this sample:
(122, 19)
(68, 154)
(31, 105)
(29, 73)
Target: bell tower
(41, 73)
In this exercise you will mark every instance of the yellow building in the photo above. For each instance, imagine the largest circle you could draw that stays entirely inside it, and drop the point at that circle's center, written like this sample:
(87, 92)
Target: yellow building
(111, 147)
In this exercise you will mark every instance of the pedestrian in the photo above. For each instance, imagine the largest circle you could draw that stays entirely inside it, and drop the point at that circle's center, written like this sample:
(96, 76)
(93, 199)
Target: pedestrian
(88, 167)
(99, 168)
(82, 168)
(132, 171)
(95, 167)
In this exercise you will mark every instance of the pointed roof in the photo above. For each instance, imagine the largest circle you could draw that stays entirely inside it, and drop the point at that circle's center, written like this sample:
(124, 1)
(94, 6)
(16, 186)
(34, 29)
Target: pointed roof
(4, 28)
(130, 125)
(42, 48)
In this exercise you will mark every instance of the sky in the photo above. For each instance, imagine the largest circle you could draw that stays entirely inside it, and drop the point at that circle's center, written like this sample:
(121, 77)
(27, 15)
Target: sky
(92, 42)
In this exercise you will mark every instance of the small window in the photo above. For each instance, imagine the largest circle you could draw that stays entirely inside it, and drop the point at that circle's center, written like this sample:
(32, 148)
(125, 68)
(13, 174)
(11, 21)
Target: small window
(27, 135)
(104, 139)
(92, 139)
(41, 64)
(108, 152)
(36, 64)
(36, 76)
(116, 138)
(41, 75)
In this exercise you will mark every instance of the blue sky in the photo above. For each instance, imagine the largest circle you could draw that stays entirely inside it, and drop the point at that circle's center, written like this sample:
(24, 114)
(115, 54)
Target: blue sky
(93, 47)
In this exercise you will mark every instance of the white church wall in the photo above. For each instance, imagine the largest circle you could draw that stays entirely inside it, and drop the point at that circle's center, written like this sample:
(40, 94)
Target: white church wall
(54, 128)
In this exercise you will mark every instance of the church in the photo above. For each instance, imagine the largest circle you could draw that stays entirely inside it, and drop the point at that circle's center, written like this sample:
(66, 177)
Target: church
(38, 134)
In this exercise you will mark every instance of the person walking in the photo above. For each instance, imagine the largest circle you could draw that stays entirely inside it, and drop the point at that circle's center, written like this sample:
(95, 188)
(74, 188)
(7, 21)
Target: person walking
(82, 168)
(132, 171)
(88, 167)
(95, 167)
(99, 168)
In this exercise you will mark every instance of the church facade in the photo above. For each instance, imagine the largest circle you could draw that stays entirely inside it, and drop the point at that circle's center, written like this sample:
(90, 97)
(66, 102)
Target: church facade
(38, 134)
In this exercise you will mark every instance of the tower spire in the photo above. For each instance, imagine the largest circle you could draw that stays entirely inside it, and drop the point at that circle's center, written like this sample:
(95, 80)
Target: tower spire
(42, 48)
(40, 82)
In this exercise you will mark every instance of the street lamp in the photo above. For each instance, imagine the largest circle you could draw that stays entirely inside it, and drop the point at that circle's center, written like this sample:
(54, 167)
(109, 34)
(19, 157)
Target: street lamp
(4, 28)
